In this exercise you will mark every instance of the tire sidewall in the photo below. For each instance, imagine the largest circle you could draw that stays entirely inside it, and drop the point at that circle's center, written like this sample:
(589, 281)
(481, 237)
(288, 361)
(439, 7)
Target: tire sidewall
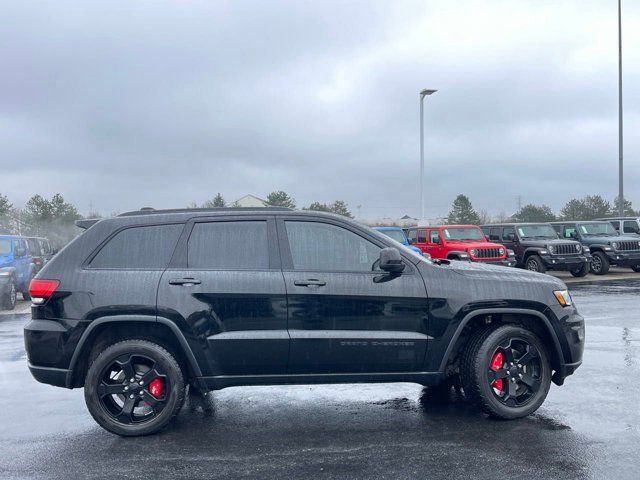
(603, 263)
(165, 361)
(538, 261)
(485, 352)
(10, 299)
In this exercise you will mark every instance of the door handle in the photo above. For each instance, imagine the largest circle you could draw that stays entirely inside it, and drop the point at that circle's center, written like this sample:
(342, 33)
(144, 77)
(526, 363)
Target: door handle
(187, 282)
(312, 282)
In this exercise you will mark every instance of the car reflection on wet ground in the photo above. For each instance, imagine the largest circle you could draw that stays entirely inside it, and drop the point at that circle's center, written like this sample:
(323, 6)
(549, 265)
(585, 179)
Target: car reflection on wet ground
(589, 428)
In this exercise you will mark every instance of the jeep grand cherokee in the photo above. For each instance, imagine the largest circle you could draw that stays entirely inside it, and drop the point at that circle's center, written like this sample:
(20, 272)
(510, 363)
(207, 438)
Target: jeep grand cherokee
(144, 305)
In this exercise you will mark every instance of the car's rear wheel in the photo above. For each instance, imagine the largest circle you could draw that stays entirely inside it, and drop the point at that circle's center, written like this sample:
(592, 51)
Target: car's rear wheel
(505, 370)
(599, 263)
(134, 387)
(535, 264)
(10, 296)
(581, 272)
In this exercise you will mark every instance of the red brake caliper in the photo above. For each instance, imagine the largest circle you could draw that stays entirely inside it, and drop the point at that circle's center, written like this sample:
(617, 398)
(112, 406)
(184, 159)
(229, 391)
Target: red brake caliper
(155, 387)
(496, 364)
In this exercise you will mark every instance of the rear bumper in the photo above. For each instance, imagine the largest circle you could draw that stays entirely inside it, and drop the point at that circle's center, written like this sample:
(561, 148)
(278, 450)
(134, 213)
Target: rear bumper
(49, 375)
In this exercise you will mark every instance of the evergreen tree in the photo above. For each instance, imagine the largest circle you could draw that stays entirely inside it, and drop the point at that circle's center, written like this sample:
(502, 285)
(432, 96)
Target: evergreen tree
(462, 212)
(217, 202)
(340, 207)
(280, 199)
(628, 210)
(534, 213)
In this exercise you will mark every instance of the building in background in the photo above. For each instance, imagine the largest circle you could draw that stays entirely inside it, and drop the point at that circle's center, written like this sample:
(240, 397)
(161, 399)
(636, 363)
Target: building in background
(249, 201)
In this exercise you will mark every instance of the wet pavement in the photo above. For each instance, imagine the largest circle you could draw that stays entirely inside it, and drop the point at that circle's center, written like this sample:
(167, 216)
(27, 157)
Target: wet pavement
(589, 428)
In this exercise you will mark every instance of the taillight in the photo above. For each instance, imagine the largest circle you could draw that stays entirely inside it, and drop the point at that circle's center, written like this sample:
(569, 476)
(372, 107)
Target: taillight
(40, 290)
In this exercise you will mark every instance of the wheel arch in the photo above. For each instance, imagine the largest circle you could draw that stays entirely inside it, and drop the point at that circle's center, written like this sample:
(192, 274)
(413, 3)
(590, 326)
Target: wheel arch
(107, 330)
(477, 319)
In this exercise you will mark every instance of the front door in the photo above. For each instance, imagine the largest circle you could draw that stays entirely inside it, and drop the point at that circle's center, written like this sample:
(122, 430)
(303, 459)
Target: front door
(345, 316)
(225, 287)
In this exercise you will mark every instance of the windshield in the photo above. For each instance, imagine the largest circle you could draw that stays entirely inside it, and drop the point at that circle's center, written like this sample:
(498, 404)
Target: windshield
(541, 231)
(603, 228)
(397, 235)
(463, 234)
(5, 246)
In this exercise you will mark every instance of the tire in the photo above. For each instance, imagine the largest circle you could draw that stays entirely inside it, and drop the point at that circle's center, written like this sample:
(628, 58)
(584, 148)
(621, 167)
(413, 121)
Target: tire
(25, 292)
(513, 399)
(136, 414)
(10, 296)
(582, 271)
(535, 264)
(599, 263)
(636, 268)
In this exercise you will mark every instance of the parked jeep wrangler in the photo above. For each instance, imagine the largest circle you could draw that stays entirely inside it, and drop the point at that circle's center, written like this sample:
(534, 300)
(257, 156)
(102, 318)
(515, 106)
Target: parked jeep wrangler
(606, 245)
(538, 248)
(142, 306)
(460, 242)
(16, 270)
(624, 225)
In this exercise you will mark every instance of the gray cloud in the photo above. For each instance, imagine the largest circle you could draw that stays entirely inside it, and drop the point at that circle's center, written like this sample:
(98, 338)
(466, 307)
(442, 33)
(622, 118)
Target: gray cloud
(163, 103)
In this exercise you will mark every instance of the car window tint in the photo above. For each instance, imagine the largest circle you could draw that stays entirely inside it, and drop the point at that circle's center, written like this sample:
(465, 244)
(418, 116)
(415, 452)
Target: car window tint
(422, 236)
(412, 235)
(495, 234)
(434, 236)
(229, 246)
(325, 247)
(139, 247)
(34, 248)
(507, 231)
(568, 231)
(631, 226)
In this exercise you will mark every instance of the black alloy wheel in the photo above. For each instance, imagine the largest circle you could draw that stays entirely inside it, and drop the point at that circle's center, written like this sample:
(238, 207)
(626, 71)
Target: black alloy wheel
(134, 387)
(535, 264)
(599, 263)
(505, 371)
(581, 272)
(11, 296)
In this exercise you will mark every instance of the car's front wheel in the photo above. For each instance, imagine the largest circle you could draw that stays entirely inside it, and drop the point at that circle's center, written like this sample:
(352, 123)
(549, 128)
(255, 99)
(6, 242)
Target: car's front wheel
(535, 264)
(10, 296)
(134, 387)
(505, 370)
(599, 263)
(636, 268)
(580, 272)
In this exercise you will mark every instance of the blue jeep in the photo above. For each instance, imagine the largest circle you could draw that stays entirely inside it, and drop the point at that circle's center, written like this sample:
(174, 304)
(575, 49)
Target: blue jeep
(397, 234)
(16, 270)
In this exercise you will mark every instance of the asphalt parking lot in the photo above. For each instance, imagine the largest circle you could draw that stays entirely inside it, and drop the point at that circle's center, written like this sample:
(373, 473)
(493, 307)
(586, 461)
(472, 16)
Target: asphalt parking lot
(590, 428)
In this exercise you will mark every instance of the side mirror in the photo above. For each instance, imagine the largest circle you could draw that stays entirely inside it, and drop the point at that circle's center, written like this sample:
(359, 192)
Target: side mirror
(20, 252)
(574, 234)
(391, 261)
(436, 240)
(411, 241)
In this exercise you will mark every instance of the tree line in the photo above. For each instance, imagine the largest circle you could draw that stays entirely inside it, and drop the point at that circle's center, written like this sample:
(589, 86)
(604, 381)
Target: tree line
(586, 208)
(278, 198)
(53, 218)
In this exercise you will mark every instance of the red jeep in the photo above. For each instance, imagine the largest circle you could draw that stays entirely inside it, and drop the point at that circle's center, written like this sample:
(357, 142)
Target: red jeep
(459, 242)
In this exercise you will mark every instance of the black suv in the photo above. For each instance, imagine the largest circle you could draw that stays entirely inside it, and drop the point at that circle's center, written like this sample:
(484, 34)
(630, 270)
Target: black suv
(143, 305)
(538, 248)
(607, 246)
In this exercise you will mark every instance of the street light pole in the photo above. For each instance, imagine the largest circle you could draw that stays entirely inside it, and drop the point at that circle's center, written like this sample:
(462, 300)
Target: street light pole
(423, 93)
(620, 151)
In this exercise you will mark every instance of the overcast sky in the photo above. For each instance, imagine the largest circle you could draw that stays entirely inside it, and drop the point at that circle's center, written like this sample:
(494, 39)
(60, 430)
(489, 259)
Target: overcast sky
(130, 104)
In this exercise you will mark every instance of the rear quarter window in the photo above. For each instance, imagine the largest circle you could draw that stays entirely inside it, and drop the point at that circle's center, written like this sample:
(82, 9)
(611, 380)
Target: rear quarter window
(148, 247)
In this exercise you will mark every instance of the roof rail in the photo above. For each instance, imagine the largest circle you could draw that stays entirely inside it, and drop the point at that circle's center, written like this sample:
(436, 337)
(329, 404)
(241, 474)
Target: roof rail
(152, 211)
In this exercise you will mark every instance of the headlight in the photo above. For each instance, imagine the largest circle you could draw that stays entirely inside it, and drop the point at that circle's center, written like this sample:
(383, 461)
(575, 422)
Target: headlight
(473, 252)
(551, 249)
(563, 297)
(501, 251)
(578, 248)
(615, 245)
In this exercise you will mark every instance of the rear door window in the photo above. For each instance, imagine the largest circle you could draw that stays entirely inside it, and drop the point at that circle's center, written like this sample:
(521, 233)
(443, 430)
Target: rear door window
(631, 226)
(241, 245)
(148, 247)
(434, 236)
(422, 236)
(494, 234)
(34, 247)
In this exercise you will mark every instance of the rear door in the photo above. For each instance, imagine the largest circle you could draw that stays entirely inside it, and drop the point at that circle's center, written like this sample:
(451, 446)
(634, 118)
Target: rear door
(224, 287)
(344, 315)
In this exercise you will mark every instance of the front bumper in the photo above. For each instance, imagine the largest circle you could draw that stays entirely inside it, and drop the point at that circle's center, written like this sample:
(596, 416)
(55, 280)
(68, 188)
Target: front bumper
(565, 262)
(505, 262)
(623, 259)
